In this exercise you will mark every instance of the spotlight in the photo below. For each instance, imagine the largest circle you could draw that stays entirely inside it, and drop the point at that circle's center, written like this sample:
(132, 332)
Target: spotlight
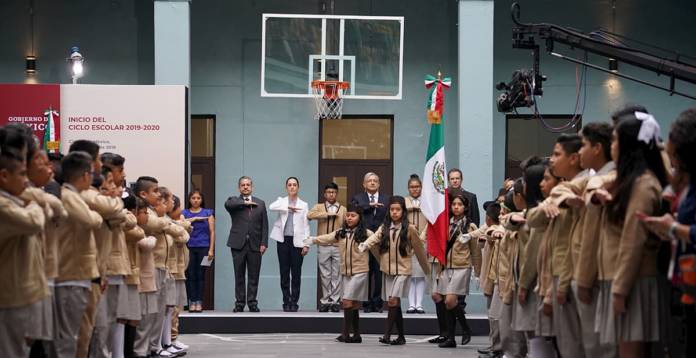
(613, 65)
(30, 67)
(76, 60)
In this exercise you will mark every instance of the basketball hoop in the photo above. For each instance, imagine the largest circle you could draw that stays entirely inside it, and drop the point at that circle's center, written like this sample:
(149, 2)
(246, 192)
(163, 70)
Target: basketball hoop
(328, 98)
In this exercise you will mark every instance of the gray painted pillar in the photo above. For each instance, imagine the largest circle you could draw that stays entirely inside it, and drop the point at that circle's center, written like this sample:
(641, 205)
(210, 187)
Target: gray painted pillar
(475, 84)
(172, 42)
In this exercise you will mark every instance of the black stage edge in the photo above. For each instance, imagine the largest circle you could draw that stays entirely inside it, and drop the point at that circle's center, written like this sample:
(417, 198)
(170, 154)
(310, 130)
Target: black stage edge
(310, 322)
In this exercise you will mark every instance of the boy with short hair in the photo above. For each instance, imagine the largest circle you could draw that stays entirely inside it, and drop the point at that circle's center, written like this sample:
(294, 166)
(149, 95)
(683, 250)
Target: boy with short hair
(21, 262)
(329, 216)
(77, 252)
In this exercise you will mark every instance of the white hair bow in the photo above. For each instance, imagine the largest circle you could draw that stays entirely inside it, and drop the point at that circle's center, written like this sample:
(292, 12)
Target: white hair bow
(649, 128)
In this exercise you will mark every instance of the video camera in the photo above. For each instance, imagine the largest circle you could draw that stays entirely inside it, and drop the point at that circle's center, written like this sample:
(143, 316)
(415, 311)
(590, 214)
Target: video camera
(519, 91)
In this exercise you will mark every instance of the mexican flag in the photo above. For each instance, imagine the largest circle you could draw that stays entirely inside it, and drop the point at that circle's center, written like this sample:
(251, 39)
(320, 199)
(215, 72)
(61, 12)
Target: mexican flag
(50, 143)
(434, 203)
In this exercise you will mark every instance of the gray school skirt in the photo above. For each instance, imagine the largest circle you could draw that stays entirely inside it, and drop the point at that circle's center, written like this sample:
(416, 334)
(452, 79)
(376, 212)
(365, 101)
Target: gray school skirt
(355, 287)
(395, 285)
(524, 316)
(39, 319)
(495, 311)
(181, 298)
(544, 323)
(453, 282)
(119, 293)
(149, 303)
(640, 322)
(169, 291)
(133, 311)
(416, 270)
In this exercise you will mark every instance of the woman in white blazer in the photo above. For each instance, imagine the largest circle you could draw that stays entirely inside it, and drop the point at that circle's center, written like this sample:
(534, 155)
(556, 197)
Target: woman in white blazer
(290, 229)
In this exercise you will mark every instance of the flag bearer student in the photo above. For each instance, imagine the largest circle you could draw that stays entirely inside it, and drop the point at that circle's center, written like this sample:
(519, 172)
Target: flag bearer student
(512, 342)
(559, 298)
(77, 249)
(526, 303)
(395, 242)
(21, 262)
(149, 332)
(40, 173)
(453, 278)
(627, 312)
(182, 262)
(177, 289)
(417, 219)
(101, 313)
(594, 156)
(135, 236)
(488, 235)
(354, 265)
(329, 216)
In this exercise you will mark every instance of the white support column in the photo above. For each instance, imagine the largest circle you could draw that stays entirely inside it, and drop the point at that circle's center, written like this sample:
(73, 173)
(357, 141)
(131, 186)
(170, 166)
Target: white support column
(475, 86)
(172, 42)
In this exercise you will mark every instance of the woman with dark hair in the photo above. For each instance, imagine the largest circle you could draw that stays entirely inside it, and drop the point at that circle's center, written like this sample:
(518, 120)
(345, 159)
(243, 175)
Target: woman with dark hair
(417, 219)
(290, 230)
(395, 242)
(354, 268)
(627, 308)
(200, 244)
(682, 229)
(452, 280)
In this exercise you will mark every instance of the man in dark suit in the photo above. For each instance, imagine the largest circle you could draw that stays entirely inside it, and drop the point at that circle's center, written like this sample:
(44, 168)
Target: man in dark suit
(374, 206)
(454, 178)
(248, 240)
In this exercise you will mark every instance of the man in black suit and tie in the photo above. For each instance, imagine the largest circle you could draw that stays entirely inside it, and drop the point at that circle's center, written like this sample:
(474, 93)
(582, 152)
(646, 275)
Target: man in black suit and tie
(374, 206)
(248, 240)
(454, 178)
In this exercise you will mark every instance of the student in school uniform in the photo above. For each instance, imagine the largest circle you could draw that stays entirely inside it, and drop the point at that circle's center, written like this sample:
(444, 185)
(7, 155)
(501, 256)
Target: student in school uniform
(290, 230)
(329, 216)
(417, 219)
(40, 173)
(77, 253)
(526, 303)
(147, 288)
(21, 260)
(395, 242)
(594, 156)
(149, 332)
(453, 278)
(134, 234)
(627, 311)
(487, 236)
(565, 163)
(513, 342)
(354, 266)
(182, 261)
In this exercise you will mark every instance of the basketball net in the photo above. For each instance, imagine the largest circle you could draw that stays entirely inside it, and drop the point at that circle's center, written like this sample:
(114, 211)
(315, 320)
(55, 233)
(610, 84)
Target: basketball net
(328, 98)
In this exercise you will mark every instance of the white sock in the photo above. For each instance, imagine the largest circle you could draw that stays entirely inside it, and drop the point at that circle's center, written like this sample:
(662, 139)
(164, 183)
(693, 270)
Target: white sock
(412, 294)
(540, 347)
(117, 340)
(420, 288)
(167, 328)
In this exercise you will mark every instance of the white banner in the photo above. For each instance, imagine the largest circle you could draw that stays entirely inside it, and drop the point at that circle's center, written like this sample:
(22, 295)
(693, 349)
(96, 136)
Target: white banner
(144, 124)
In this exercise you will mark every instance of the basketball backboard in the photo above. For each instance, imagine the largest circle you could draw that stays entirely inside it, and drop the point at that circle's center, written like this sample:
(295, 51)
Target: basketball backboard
(366, 51)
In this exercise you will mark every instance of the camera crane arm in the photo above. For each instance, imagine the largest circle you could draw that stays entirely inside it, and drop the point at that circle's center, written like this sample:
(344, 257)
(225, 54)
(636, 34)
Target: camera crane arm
(524, 34)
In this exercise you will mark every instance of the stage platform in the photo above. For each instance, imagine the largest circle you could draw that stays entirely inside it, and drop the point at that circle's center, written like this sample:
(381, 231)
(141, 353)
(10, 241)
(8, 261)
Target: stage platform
(219, 322)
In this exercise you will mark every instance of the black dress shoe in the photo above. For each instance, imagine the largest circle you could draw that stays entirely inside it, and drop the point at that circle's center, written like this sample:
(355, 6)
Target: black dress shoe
(466, 337)
(384, 340)
(254, 308)
(238, 308)
(440, 339)
(449, 343)
(335, 308)
(354, 339)
(286, 308)
(420, 310)
(294, 308)
(324, 307)
(411, 310)
(341, 339)
(367, 309)
(399, 341)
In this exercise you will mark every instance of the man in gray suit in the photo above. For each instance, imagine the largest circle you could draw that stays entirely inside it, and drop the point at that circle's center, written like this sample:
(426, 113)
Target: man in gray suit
(248, 240)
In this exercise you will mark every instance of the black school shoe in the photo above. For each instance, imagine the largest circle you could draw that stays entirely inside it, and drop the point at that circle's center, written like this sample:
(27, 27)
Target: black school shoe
(440, 339)
(411, 310)
(399, 341)
(335, 308)
(324, 307)
(254, 308)
(238, 308)
(354, 339)
(466, 337)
